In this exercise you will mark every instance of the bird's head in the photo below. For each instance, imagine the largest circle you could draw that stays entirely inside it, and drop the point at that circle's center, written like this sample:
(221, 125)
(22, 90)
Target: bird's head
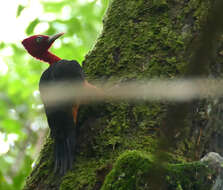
(38, 45)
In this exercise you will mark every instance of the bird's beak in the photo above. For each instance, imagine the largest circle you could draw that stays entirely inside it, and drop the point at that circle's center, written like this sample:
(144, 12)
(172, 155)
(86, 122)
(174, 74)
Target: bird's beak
(54, 37)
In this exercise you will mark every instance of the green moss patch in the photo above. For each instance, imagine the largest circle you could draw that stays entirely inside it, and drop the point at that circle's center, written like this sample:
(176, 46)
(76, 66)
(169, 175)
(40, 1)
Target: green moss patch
(135, 170)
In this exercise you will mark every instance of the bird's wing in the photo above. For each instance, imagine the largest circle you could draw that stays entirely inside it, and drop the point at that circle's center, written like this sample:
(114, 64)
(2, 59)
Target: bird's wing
(62, 116)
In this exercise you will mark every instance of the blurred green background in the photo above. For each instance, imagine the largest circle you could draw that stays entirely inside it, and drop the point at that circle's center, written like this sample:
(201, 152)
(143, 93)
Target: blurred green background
(22, 121)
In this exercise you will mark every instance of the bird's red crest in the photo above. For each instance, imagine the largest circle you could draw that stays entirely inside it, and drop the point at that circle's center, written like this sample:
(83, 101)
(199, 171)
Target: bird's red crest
(38, 46)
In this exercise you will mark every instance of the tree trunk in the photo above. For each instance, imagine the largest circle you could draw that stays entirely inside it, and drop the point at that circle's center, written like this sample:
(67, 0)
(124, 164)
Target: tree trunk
(145, 39)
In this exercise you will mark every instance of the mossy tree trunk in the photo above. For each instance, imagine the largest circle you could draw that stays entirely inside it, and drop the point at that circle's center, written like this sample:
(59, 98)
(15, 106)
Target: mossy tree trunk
(141, 39)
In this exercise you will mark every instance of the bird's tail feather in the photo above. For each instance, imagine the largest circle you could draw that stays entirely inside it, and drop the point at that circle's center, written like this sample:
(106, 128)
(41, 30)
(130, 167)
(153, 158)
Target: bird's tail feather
(64, 152)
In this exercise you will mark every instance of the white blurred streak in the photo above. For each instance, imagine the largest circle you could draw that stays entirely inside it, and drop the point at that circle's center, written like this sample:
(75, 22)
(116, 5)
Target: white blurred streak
(3, 67)
(41, 28)
(11, 138)
(7, 140)
(36, 93)
(154, 90)
(12, 29)
(66, 12)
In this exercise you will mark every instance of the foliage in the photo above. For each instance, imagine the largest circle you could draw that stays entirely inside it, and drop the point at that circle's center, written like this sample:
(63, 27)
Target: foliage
(22, 120)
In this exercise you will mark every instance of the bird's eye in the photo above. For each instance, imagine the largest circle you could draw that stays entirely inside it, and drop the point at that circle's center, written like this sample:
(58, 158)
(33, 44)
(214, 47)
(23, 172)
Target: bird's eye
(39, 39)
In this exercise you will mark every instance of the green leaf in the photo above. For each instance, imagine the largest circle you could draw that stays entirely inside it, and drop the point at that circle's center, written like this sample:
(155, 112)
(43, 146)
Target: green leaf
(32, 25)
(2, 45)
(18, 180)
(19, 10)
(11, 126)
(74, 25)
(54, 7)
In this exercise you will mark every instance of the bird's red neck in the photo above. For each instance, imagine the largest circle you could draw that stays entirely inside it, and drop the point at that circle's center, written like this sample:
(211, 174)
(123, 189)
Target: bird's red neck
(49, 58)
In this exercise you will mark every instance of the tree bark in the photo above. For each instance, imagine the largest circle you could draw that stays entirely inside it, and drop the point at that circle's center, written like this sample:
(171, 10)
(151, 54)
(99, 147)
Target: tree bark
(145, 39)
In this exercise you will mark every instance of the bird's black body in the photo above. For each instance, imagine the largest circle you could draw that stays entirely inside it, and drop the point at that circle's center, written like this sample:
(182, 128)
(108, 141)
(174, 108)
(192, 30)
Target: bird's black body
(60, 116)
